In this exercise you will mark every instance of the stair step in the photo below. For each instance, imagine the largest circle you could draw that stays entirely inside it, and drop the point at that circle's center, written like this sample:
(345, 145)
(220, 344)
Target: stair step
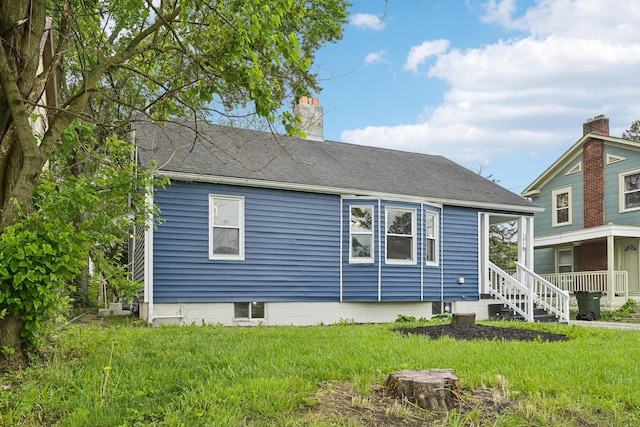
(539, 314)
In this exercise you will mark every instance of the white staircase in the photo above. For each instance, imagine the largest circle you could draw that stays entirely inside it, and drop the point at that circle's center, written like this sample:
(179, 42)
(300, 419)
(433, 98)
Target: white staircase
(525, 292)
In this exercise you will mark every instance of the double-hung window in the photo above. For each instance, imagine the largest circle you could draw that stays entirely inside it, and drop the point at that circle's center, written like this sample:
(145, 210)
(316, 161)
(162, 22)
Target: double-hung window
(400, 236)
(431, 238)
(564, 260)
(226, 227)
(361, 234)
(630, 191)
(562, 212)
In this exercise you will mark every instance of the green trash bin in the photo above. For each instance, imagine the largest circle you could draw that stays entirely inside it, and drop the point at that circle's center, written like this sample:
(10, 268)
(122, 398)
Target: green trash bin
(588, 305)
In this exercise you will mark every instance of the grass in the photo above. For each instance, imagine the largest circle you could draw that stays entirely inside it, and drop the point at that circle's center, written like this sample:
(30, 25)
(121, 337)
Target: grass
(270, 376)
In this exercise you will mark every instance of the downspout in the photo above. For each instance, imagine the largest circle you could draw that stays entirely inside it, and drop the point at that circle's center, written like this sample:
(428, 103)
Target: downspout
(441, 257)
(148, 257)
(422, 261)
(379, 250)
(483, 239)
(340, 252)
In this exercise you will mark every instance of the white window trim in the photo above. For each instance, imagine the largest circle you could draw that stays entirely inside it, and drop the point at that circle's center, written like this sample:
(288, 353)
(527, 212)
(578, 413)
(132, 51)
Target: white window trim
(436, 232)
(554, 207)
(621, 191)
(362, 260)
(613, 158)
(557, 255)
(240, 255)
(575, 169)
(414, 239)
(249, 316)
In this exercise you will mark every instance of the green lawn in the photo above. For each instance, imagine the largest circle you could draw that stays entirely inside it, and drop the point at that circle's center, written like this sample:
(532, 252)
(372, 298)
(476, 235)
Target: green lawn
(272, 376)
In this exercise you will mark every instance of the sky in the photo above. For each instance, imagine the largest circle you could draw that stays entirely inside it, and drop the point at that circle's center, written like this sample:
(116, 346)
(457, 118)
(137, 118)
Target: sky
(500, 87)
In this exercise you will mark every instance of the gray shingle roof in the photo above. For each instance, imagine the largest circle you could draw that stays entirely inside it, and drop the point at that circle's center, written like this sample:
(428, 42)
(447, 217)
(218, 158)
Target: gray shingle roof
(247, 154)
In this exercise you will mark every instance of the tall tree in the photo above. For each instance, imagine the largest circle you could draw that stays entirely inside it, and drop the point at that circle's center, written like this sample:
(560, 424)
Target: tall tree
(110, 60)
(633, 133)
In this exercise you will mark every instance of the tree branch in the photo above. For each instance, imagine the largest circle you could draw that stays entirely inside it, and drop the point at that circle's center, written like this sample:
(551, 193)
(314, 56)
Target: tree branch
(15, 103)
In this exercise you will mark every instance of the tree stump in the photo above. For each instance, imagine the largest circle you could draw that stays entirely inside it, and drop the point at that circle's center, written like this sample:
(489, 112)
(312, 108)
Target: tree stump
(463, 319)
(432, 389)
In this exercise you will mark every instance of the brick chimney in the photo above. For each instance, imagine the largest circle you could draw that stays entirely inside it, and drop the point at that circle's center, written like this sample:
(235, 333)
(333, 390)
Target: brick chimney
(312, 118)
(598, 124)
(593, 171)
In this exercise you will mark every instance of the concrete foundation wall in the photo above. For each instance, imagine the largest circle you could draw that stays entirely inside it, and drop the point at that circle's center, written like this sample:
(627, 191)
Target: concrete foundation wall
(303, 314)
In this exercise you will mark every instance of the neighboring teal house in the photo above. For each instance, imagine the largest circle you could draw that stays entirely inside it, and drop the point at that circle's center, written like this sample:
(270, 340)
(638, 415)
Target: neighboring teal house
(589, 234)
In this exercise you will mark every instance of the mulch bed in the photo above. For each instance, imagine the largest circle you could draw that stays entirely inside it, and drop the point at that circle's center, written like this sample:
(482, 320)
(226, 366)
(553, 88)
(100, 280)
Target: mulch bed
(482, 332)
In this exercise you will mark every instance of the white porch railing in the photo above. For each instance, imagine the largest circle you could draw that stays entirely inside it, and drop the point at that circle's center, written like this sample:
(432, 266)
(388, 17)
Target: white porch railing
(590, 281)
(525, 289)
(548, 296)
(512, 293)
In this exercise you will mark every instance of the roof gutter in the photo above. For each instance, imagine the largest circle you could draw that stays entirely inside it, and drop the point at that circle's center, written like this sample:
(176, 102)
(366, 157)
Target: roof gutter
(309, 188)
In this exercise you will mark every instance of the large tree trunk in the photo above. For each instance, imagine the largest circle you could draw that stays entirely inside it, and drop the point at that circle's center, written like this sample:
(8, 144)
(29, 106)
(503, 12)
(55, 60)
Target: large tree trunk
(11, 355)
(22, 25)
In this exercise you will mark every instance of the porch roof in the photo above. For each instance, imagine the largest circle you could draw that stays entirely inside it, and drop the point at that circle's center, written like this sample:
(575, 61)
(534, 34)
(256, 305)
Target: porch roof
(585, 234)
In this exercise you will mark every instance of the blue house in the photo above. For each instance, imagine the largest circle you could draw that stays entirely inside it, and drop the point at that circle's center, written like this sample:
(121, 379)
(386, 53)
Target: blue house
(588, 237)
(272, 229)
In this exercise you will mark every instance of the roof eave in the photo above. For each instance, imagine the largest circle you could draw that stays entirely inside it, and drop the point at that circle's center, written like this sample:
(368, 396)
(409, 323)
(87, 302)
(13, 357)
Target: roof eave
(308, 188)
(534, 188)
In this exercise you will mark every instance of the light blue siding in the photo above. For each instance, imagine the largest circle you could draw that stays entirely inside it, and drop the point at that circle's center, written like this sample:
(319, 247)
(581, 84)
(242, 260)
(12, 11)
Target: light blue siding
(460, 253)
(612, 186)
(543, 222)
(290, 247)
(544, 261)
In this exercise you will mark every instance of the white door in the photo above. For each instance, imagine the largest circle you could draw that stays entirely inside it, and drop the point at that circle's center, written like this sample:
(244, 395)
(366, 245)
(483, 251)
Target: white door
(628, 257)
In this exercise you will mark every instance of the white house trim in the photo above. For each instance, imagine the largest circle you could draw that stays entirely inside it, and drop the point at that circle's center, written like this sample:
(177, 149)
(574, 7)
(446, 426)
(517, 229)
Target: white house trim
(344, 192)
(587, 234)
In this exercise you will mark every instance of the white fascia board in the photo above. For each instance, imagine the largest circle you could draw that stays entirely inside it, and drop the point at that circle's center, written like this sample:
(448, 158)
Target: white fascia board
(533, 189)
(587, 234)
(392, 198)
(344, 192)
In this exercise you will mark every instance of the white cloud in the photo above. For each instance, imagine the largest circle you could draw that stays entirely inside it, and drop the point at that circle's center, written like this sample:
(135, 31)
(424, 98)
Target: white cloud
(499, 12)
(367, 21)
(419, 54)
(375, 57)
(575, 60)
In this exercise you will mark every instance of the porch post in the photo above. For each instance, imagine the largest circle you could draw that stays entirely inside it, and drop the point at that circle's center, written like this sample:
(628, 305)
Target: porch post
(529, 247)
(611, 285)
(525, 241)
(521, 241)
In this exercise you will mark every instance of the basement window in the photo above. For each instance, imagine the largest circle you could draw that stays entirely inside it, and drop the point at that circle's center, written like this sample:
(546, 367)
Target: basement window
(249, 310)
